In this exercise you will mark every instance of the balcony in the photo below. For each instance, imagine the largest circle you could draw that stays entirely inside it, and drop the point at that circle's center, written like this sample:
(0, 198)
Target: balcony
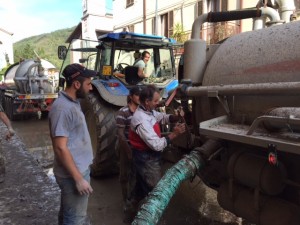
(215, 32)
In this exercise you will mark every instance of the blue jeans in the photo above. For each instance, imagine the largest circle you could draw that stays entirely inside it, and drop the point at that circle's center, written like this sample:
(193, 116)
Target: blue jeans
(73, 206)
(148, 171)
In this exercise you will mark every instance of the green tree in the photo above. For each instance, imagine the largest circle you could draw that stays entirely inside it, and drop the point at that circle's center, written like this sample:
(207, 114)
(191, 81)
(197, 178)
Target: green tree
(179, 34)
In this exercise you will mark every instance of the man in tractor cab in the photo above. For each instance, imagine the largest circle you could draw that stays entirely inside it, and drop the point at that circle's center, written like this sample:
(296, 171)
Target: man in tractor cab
(142, 64)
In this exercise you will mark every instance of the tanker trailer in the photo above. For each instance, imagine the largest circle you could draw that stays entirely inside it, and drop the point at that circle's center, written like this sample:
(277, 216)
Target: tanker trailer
(31, 86)
(245, 95)
(245, 116)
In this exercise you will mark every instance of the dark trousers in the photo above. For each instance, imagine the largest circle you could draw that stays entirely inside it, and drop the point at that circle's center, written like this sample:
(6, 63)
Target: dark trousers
(127, 175)
(148, 171)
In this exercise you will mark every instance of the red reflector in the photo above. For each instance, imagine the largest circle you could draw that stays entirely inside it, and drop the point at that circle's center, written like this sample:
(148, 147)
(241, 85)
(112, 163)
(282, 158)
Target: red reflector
(113, 84)
(273, 158)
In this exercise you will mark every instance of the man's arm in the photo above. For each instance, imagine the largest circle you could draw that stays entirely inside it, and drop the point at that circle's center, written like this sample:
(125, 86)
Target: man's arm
(156, 143)
(123, 143)
(7, 122)
(141, 73)
(141, 65)
(64, 156)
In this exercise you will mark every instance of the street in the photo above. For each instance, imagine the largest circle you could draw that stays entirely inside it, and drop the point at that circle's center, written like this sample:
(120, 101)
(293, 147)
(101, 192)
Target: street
(193, 203)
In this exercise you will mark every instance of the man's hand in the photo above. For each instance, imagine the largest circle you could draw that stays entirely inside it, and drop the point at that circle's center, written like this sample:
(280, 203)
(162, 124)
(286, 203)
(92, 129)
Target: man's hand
(177, 130)
(179, 111)
(180, 128)
(10, 133)
(83, 187)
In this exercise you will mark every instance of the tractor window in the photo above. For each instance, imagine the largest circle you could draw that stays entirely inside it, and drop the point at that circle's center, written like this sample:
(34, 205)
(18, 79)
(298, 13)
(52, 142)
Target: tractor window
(150, 65)
(105, 57)
(123, 57)
(83, 52)
(165, 63)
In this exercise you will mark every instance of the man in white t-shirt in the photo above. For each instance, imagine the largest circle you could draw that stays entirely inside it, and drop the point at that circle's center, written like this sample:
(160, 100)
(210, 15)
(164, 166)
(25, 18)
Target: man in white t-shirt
(142, 64)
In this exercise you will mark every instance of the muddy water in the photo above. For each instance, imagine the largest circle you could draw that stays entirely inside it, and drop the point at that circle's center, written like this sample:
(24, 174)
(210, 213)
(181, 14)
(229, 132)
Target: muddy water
(35, 135)
(193, 203)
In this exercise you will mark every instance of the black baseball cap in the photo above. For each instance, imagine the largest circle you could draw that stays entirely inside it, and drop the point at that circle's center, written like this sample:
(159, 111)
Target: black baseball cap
(74, 70)
(135, 91)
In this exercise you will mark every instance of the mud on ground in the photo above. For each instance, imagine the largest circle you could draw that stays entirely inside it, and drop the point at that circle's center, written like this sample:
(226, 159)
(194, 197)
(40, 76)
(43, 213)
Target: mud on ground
(27, 195)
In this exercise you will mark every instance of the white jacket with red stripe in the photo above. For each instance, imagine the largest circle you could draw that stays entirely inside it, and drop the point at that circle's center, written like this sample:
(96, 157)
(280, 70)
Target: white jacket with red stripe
(143, 123)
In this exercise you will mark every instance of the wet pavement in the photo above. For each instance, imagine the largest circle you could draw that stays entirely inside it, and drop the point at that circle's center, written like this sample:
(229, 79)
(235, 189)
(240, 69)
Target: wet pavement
(27, 195)
(193, 203)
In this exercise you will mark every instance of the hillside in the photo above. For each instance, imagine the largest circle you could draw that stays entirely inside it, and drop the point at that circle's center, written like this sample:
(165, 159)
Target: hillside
(45, 45)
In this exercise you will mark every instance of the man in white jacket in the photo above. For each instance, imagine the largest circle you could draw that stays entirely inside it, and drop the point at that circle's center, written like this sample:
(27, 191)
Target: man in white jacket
(147, 142)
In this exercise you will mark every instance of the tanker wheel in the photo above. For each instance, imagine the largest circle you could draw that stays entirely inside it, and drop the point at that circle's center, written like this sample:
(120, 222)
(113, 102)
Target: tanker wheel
(102, 128)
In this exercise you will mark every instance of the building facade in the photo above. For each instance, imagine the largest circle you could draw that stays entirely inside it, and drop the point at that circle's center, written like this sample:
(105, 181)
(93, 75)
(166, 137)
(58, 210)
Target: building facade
(162, 17)
(6, 48)
(97, 19)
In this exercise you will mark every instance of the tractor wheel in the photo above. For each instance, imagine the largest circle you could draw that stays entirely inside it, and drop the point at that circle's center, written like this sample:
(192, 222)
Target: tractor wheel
(101, 123)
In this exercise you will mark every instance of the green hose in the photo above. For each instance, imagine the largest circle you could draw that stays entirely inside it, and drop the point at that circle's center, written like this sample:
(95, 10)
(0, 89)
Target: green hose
(158, 199)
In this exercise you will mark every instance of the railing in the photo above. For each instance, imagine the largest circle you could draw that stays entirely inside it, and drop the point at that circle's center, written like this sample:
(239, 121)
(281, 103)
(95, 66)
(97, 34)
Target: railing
(216, 32)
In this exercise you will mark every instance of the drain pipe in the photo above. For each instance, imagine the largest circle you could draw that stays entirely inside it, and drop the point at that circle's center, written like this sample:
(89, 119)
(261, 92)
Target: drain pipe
(286, 9)
(272, 14)
(159, 198)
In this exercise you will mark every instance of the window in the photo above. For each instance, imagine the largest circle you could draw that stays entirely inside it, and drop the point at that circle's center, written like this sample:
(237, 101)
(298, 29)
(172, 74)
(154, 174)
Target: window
(129, 3)
(199, 8)
(167, 22)
(171, 23)
(130, 28)
(224, 5)
(219, 5)
(297, 4)
(154, 30)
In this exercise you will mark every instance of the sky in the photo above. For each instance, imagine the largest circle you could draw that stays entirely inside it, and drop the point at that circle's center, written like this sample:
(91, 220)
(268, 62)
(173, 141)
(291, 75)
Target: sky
(26, 18)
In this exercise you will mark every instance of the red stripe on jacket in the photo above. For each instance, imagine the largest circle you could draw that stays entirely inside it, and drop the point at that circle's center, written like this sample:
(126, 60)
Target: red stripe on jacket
(137, 142)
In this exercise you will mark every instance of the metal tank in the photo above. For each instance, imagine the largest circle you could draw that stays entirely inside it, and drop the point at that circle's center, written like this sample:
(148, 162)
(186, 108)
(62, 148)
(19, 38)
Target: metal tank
(244, 95)
(31, 86)
(31, 77)
(261, 56)
(265, 62)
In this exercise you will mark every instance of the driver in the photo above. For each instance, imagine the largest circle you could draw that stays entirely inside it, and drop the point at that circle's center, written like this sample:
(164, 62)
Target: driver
(142, 64)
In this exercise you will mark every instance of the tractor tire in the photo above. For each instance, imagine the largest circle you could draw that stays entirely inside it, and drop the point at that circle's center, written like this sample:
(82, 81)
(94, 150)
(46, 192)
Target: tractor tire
(101, 123)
